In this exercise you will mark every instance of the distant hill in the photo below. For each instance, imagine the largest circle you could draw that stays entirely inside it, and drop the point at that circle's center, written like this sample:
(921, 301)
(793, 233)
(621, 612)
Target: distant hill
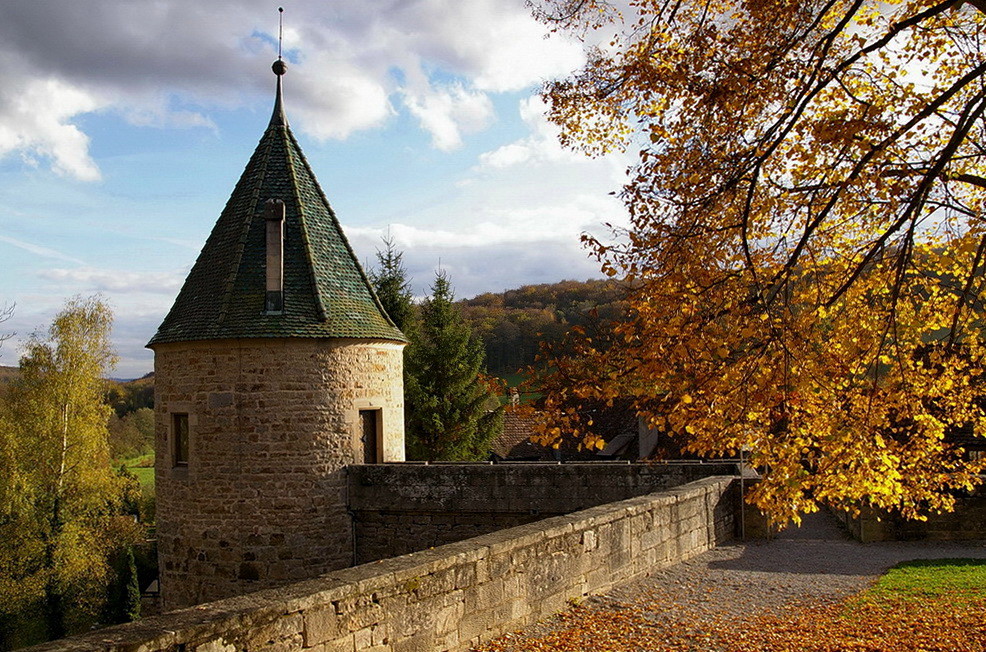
(130, 395)
(514, 323)
(124, 395)
(7, 374)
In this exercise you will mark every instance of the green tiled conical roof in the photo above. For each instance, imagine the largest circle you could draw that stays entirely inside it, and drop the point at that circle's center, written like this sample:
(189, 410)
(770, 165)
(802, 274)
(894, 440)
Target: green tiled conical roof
(326, 293)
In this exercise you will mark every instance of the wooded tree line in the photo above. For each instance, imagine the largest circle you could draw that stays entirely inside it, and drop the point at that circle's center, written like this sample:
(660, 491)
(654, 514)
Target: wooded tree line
(131, 422)
(515, 323)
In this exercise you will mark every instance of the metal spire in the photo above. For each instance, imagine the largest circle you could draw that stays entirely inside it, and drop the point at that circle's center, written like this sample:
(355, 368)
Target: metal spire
(279, 68)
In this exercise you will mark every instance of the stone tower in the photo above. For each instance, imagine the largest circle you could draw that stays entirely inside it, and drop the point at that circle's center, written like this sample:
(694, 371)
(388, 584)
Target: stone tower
(276, 367)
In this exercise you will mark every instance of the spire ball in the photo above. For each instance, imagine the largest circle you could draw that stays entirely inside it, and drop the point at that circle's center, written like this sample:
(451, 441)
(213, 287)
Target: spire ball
(279, 67)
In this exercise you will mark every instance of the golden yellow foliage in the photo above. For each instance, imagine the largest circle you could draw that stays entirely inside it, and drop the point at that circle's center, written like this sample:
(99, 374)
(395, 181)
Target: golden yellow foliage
(59, 497)
(806, 243)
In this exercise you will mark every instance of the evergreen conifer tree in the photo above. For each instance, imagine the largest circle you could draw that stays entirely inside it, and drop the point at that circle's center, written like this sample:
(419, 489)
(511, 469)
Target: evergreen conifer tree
(391, 284)
(450, 413)
(123, 592)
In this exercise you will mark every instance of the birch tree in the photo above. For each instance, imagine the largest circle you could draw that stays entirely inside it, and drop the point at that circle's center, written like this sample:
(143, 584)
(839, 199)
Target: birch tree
(59, 517)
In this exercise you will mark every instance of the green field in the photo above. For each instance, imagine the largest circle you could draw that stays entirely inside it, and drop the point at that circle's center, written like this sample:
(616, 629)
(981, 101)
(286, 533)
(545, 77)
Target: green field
(515, 380)
(957, 579)
(146, 477)
(143, 468)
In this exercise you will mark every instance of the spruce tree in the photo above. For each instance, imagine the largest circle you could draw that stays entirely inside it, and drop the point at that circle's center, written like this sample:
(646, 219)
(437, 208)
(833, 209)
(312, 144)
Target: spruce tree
(450, 413)
(392, 286)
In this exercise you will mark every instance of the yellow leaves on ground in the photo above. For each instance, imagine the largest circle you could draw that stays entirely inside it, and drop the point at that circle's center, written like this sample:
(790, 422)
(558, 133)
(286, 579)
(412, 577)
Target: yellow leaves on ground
(935, 624)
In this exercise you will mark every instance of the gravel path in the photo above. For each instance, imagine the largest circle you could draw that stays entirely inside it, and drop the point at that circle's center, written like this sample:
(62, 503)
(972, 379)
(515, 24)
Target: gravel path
(813, 565)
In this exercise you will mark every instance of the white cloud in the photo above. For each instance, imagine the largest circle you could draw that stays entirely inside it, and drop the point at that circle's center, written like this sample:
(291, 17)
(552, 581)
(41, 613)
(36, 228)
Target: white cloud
(506, 263)
(507, 244)
(490, 228)
(39, 250)
(516, 218)
(168, 64)
(35, 123)
(448, 113)
(92, 279)
(541, 146)
(332, 99)
(507, 156)
(495, 43)
(156, 115)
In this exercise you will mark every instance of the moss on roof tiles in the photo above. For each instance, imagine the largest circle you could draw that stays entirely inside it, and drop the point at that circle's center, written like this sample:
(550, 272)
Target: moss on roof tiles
(326, 292)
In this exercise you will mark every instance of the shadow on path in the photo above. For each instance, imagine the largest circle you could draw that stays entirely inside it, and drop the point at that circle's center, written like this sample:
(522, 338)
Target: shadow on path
(821, 546)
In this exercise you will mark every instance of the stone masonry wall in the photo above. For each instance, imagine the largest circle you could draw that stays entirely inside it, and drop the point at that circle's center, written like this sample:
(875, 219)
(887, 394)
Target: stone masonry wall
(400, 508)
(968, 521)
(454, 596)
(272, 424)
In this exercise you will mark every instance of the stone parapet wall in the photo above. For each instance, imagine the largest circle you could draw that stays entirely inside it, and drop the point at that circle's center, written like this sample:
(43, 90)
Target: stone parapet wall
(966, 522)
(454, 596)
(400, 508)
(271, 425)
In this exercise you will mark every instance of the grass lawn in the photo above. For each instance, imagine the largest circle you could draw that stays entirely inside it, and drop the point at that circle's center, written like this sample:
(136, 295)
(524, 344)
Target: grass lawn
(146, 477)
(956, 580)
(917, 606)
(515, 380)
(143, 467)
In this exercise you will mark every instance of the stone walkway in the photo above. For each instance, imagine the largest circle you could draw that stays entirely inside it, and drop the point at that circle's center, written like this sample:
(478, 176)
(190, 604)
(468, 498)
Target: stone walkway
(816, 563)
(813, 565)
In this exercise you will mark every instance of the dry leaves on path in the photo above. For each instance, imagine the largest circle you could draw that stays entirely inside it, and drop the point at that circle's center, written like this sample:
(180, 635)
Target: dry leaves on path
(950, 621)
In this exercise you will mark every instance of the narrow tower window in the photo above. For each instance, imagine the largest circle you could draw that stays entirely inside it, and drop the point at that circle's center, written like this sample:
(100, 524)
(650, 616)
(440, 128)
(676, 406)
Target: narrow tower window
(179, 430)
(369, 435)
(274, 217)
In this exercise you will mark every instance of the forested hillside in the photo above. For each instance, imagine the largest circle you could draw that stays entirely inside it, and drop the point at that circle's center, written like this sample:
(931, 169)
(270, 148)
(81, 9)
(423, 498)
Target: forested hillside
(513, 324)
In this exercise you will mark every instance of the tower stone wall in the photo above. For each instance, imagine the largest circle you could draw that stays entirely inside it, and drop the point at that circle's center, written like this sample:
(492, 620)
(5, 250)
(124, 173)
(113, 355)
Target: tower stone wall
(272, 423)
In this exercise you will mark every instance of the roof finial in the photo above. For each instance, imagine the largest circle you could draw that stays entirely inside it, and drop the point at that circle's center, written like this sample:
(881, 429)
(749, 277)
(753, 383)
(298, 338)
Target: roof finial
(279, 66)
(279, 69)
(280, 30)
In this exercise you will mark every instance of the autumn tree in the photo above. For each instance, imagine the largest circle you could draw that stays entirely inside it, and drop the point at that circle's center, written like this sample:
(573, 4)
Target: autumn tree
(59, 498)
(130, 396)
(132, 435)
(450, 411)
(806, 239)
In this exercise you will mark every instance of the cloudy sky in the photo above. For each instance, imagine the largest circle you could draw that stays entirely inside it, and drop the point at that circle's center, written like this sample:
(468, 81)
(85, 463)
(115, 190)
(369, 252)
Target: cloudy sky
(124, 125)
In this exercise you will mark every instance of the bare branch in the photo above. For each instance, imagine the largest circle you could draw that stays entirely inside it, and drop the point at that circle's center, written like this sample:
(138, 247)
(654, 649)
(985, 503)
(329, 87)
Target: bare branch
(6, 312)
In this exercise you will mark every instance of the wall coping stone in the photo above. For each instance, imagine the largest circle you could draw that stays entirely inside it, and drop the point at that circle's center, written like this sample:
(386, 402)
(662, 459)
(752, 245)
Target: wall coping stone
(213, 621)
